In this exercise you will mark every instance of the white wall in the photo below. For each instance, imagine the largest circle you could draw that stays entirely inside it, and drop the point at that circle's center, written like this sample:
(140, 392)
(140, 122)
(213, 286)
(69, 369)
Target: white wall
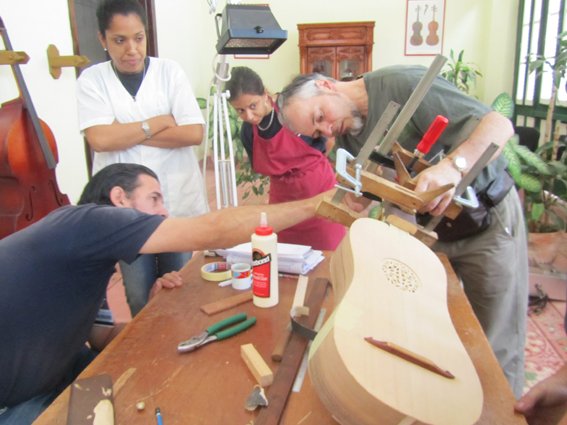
(485, 29)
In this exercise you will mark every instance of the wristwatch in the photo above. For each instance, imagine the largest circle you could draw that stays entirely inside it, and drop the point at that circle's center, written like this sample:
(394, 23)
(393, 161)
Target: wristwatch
(460, 163)
(146, 130)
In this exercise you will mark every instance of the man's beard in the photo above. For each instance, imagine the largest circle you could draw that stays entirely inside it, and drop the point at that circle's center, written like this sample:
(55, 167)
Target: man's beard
(357, 123)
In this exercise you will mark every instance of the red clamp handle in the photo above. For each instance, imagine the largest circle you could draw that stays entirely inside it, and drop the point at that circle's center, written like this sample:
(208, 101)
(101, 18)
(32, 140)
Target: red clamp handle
(432, 134)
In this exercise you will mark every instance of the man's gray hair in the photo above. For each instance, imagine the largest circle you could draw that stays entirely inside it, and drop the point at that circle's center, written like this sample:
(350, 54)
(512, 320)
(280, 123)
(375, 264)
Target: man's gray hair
(302, 87)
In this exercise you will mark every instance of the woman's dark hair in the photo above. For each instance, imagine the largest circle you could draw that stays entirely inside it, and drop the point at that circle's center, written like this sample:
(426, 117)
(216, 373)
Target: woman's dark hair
(97, 190)
(243, 81)
(108, 8)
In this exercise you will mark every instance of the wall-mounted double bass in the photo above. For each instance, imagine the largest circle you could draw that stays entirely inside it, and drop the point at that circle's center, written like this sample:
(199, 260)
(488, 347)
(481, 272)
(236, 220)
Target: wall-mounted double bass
(28, 157)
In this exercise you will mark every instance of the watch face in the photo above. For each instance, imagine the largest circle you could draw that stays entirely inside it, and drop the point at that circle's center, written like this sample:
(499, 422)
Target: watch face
(146, 129)
(460, 163)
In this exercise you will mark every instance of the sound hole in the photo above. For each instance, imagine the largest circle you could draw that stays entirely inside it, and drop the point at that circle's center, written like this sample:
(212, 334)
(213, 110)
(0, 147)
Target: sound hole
(400, 275)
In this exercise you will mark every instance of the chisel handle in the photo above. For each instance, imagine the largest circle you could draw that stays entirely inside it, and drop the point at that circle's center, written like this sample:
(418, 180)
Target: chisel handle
(432, 134)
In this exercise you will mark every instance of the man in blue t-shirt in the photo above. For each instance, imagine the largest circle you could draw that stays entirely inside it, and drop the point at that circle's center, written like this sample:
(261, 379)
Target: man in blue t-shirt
(54, 273)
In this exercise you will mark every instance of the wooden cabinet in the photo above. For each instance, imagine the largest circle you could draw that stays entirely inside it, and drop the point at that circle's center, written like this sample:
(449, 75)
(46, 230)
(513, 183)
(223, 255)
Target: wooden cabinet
(342, 50)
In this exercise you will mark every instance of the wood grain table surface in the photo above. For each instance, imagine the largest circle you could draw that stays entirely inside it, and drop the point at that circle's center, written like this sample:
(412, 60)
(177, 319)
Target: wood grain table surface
(210, 385)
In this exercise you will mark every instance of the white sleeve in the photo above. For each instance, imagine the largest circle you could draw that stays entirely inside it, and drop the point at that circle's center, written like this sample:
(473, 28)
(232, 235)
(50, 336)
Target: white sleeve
(94, 106)
(184, 106)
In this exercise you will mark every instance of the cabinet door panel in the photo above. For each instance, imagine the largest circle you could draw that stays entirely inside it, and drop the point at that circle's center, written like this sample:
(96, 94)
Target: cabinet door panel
(351, 62)
(321, 60)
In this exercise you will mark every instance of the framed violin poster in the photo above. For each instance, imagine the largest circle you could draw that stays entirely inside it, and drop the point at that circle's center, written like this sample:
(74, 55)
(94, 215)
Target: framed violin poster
(425, 21)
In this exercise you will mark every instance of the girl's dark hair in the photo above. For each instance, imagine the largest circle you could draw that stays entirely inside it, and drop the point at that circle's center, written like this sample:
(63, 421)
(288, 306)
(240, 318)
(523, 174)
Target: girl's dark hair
(243, 80)
(97, 190)
(108, 8)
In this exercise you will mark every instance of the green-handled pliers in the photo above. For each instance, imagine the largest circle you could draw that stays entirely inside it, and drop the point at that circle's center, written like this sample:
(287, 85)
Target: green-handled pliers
(217, 332)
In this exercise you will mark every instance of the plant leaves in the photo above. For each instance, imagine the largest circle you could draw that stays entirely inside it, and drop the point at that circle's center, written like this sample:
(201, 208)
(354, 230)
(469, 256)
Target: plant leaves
(202, 102)
(252, 182)
(532, 159)
(504, 104)
(514, 164)
(529, 183)
(537, 211)
(559, 188)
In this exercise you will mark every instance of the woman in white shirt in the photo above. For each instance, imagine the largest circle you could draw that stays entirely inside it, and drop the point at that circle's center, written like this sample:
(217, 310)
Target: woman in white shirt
(139, 109)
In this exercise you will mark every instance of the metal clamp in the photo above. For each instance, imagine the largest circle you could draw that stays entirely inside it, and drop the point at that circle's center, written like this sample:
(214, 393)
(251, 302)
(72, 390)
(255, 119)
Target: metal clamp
(468, 178)
(343, 156)
(468, 198)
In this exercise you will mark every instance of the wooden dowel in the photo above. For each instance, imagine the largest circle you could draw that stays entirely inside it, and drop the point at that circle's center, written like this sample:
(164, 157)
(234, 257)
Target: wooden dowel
(411, 357)
(279, 349)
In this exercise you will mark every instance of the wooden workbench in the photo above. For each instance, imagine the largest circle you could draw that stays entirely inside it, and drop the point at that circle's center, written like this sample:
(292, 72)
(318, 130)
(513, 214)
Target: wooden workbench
(210, 385)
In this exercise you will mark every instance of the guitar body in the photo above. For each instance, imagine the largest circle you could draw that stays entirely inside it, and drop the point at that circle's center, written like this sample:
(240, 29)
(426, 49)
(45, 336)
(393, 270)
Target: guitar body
(391, 287)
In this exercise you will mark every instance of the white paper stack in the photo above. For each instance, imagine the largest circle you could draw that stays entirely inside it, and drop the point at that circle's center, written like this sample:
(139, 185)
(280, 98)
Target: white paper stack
(296, 259)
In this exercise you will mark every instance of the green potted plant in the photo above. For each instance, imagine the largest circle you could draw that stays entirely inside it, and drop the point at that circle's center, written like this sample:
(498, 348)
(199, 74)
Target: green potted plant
(549, 206)
(462, 74)
(544, 183)
(542, 175)
(543, 180)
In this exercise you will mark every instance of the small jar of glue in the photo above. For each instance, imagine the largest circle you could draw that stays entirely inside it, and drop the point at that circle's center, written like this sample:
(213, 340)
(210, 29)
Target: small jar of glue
(241, 276)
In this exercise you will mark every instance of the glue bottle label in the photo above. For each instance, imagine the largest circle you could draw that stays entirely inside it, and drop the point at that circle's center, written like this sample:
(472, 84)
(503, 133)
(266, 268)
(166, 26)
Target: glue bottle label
(261, 269)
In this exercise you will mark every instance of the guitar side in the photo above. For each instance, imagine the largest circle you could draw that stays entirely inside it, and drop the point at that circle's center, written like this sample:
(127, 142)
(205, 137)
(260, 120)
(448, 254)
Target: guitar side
(391, 287)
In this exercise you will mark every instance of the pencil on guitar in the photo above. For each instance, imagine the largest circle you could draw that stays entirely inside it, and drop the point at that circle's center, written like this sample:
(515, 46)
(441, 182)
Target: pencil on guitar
(411, 357)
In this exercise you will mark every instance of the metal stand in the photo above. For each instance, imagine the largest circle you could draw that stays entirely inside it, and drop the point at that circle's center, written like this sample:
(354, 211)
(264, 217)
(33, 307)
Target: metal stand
(223, 150)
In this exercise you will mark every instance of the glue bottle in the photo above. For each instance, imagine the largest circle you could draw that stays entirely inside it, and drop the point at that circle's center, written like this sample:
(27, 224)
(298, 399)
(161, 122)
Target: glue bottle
(265, 265)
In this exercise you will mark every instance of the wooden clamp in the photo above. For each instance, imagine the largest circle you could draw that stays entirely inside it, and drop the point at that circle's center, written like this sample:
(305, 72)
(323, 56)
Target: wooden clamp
(56, 61)
(9, 57)
(403, 197)
(336, 212)
(381, 141)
